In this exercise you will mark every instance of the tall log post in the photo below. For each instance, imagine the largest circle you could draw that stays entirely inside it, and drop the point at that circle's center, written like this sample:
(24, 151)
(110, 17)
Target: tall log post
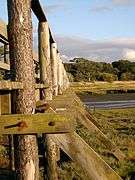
(46, 76)
(54, 68)
(63, 78)
(60, 78)
(20, 43)
(44, 57)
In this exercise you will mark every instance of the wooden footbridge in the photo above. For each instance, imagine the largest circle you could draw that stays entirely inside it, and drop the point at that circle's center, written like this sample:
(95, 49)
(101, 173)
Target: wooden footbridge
(48, 106)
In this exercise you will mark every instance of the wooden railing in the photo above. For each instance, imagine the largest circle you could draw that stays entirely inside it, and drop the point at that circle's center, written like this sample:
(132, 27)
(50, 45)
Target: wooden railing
(56, 109)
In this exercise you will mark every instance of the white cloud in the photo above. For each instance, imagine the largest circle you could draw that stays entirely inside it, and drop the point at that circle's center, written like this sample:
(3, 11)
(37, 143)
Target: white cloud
(100, 8)
(112, 5)
(129, 54)
(107, 50)
(123, 2)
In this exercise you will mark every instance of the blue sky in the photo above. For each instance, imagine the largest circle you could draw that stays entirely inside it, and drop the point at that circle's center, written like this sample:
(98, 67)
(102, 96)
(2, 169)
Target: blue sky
(95, 29)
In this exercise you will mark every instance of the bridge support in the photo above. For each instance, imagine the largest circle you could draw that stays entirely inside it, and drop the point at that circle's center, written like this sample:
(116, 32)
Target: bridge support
(54, 68)
(60, 75)
(48, 74)
(20, 42)
(44, 57)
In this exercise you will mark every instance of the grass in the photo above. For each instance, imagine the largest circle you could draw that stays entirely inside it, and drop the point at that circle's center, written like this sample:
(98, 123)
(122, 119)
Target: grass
(119, 126)
(99, 86)
(88, 97)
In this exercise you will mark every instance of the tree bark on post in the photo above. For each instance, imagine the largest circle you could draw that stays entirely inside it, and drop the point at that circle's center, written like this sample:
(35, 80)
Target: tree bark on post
(54, 68)
(22, 66)
(46, 76)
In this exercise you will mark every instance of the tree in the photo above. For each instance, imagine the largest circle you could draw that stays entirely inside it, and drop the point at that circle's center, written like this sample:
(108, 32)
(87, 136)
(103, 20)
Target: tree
(108, 77)
(127, 76)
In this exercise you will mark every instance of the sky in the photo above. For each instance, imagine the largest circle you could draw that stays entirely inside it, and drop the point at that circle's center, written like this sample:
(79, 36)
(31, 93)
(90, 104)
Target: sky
(94, 29)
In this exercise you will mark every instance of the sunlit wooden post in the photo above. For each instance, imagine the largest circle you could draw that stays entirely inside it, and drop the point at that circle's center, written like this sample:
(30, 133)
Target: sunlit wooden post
(44, 58)
(63, 79)
(47, 70)
(60, 78)
(20, 44)
(54, 68)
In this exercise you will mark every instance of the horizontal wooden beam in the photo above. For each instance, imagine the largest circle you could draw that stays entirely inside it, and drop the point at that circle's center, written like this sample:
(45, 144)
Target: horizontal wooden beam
(4, 66)
(81, 153)
(38, 11)
(10, 85)
(36, 123)
(41, 86)
(3, 40)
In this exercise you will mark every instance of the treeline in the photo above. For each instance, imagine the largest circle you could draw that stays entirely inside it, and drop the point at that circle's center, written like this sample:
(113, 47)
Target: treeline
(80, 69)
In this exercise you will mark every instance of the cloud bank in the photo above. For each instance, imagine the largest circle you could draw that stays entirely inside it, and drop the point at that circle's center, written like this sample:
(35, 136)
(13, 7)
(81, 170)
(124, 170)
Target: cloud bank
(106, 50)
(112, 5)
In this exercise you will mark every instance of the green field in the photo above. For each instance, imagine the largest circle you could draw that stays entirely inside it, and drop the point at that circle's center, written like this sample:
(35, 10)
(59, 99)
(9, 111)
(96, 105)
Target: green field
(119, 126)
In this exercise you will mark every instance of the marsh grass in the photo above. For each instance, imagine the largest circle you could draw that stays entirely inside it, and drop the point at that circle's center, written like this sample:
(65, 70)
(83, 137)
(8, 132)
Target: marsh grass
(119, 126)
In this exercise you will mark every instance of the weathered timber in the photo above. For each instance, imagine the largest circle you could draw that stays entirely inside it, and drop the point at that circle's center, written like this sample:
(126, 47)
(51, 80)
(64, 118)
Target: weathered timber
(3, 31)
(35, 123)
(72, 104)
(60, 74)
(103, 138)
(54, 68)
(22, 70)
(52, 158)
(41, 86)
(5, 102)
(92, 125)
(38, 11)
(8, 85)
(85, 157)
(4, 66)
(11, 85)
(46, 76)
(44, 58)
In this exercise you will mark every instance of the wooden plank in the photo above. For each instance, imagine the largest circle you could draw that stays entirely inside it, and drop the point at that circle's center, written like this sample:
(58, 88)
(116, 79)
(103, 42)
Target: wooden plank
(102, 137)
(4, 66)
(85, 157)
(37, 123)
(8, 85)
(42, 86)
(38, 11)
(75, 107)
(91, 124)
(5, 102)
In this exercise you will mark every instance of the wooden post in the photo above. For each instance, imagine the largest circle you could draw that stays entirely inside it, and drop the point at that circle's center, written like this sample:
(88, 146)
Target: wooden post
(5, 53)
(59, 74)
(44, 57)
(52, 158)
(63, 80)
(0, 104)
(46, 76)
(20, 43)
(54, 68)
